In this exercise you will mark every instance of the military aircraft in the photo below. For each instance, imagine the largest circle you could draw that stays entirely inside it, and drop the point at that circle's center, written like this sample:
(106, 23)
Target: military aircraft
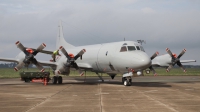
(124, 57)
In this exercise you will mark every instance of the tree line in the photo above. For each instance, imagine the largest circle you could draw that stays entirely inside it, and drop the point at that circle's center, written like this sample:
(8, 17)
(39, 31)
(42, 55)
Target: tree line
(11, 65)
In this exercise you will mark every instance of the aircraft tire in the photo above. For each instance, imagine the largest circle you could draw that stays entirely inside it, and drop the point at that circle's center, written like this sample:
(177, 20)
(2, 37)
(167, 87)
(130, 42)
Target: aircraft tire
(60, 80)
(126, 83)
(54, 79)
(26, 80)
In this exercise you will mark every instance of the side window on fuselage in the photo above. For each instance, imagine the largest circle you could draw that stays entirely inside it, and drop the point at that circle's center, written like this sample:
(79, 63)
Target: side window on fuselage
(123, 49)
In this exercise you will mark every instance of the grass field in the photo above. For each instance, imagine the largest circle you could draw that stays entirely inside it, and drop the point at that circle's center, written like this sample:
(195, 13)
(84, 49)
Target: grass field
(10, 73)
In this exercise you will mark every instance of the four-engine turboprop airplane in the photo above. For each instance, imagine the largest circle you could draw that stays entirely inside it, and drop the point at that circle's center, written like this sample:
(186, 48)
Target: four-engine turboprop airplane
(123, 57)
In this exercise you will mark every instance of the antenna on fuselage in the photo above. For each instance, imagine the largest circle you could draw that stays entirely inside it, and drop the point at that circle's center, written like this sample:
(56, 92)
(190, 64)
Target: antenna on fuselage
(141, 41)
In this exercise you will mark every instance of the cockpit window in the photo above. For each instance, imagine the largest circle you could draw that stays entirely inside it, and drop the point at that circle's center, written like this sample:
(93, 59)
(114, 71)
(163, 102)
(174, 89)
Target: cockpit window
(131, 48)
(138, 48)
(142, 48)
(123, 49)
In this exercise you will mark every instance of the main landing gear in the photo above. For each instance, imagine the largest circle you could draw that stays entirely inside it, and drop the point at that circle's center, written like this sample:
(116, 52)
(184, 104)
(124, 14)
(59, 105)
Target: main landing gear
(127, 79)
(57, 80)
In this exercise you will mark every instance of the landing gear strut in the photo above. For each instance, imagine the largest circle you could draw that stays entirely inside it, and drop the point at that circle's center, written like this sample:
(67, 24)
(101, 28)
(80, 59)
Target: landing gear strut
(100, 77)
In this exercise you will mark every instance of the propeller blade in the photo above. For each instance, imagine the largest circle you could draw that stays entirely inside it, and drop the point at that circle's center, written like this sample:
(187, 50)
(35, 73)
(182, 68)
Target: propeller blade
(41, 47)
(169, 68)
(81, 73)
(181, 66)
(79, 54)
(19, 66)
(39, 66)
(20, 46)
(75, 65)
(152, 69)
(62, 49)
(169, 52)
(181, 54)
(154, 55)
(64, 68)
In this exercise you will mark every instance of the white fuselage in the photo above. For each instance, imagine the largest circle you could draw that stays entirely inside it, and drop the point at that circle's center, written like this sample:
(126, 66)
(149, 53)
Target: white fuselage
(107, 57)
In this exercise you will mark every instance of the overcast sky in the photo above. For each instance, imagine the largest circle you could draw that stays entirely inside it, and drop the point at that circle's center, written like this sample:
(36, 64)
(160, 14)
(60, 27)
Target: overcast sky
(161, 23)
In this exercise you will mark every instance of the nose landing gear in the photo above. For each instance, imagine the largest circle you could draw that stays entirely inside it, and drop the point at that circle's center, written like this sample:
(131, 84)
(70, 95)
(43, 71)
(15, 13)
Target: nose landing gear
(127, 79)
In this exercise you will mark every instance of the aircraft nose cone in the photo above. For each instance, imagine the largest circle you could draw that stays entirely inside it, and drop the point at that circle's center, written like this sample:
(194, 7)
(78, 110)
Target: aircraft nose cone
(143, 60)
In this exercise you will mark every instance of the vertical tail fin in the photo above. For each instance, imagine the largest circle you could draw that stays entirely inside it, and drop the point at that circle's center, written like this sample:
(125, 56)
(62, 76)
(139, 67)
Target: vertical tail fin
(60, 38)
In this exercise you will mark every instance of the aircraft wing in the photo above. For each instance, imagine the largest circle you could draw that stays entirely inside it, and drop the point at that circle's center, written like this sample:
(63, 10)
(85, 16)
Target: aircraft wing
(187, 61)
(8, 59)
(157, 64)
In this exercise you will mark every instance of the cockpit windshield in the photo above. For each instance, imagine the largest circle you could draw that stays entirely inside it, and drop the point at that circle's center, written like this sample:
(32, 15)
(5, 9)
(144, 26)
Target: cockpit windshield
(125, 48)
(131, 48)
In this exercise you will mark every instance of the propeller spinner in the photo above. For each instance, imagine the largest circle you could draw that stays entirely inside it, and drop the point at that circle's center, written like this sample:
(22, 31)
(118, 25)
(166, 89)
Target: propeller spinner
(29, 56)
(175, 60)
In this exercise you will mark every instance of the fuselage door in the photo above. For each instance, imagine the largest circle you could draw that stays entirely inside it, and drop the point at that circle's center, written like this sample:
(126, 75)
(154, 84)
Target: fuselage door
(104, 58)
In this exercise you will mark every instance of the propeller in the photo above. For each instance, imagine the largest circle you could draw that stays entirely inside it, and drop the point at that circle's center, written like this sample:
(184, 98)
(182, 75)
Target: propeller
(29, 57)
(151, 68)
(70, 60)
(175, 60)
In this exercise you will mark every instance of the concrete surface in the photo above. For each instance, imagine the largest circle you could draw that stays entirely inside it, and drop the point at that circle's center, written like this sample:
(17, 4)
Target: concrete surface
(147, 94)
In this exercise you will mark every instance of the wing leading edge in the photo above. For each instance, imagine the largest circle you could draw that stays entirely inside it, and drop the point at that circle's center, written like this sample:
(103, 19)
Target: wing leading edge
(8, 59)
